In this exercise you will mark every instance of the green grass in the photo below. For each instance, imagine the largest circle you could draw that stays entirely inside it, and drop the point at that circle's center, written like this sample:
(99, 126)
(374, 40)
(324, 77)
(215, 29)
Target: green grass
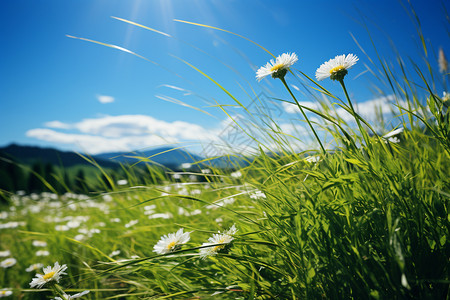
(368, 220)
(349, 226)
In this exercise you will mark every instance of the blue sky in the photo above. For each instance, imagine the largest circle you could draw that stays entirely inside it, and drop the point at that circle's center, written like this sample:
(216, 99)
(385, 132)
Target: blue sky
(74, 95)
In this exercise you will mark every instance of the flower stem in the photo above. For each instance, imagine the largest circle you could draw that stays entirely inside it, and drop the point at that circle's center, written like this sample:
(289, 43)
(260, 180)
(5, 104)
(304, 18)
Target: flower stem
(303, 113)
(363, 132)
(57, 290)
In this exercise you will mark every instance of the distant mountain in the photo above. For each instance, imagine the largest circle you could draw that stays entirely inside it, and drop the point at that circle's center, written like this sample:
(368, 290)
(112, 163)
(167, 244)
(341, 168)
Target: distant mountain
(31, 154)
(172, 158)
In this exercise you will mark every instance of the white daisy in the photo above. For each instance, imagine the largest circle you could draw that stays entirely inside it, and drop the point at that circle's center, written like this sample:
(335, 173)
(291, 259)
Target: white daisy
(10, 225)
(50, 274)
(114, 253)
(37, 243)
(185, 165)
(79, 237)
(62, 228)
(70, 297)
(5, 253)
(278, 67)
(34, 267)
(8, 263)
(42, 253)
(236, 174)
(336, 68)
(221, 238)
(3, 215)
(73, 224)
(313, 158)
(392, 136)
(150, 207)
(161, 216)
(5, 293)
(131, 223)
(171, 242)
(122, 182)
(223, 202)
(258, 195)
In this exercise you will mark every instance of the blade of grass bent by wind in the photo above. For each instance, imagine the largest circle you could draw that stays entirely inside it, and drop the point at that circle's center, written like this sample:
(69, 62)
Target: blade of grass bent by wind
(178, 196)
(320, 89)
(223, 89)
(330, 119)
(267, 118)
(433, 97)
(179, 102)
(159, 153)
(92, 248)
(212, 80)
(220, 29)
(182, 41)
(303, 113)
(385, 71)
(361, 48)
(148, 158)
(403, 90)
(209, 203)
(170, 254)
(140, 25)
(111, 46)
(39, 176)
(356, 115)
(93, 162)
(326, 117)
(416, 20)
(197, 24)
(126, 51)
(256, 96)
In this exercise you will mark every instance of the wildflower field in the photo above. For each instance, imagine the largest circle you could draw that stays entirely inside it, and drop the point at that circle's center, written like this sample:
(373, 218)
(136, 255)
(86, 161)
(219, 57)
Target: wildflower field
(362, 214)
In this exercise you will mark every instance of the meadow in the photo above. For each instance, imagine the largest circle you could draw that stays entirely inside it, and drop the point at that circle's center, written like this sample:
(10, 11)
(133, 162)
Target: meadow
(363, 216)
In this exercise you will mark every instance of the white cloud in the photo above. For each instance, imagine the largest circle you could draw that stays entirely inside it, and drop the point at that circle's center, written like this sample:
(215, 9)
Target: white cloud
(94, 144)
(57, 125)
(294, 129)
(138, 125)
(122, 133)
(177, 88)
(384, 104)
(132, 132)
(293, 108)
(295, 87)
(105, 99)
(367, 109)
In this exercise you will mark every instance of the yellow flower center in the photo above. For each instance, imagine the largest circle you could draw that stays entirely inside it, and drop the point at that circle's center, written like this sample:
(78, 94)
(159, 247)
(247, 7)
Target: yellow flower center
(217, 248)
(276, 67)
(337, 69)
(221, 241)
(171, 245)
(2, 292)
(49, 275)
